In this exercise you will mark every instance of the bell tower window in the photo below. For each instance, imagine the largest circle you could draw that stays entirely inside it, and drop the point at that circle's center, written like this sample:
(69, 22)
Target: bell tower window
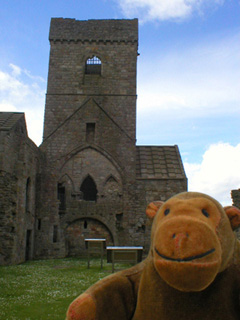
(93, 65)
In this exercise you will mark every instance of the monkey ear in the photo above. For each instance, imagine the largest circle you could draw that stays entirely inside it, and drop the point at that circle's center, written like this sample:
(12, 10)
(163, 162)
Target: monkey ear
(152, 208)
(233, 214)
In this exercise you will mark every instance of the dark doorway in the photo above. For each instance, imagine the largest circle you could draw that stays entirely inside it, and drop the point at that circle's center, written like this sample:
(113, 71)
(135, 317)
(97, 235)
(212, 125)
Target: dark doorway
(89, 189)
(28, 245)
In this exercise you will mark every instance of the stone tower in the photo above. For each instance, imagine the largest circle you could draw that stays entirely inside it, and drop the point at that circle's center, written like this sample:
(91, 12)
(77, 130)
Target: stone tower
(88, 179)
(89, 131)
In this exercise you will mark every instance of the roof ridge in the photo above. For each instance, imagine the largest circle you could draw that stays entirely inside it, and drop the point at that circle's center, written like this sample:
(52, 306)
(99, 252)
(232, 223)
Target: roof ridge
(8, 119)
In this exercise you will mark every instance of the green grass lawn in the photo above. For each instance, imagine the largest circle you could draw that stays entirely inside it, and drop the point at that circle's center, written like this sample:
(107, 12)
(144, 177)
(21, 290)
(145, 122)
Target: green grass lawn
(44, 289)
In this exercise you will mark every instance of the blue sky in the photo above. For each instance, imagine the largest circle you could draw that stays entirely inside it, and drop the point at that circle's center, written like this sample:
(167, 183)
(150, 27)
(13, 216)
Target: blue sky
(187, 83)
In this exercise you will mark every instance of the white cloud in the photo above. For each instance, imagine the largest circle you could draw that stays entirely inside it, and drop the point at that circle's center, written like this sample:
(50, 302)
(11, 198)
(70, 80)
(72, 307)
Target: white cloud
(6, 106)
(218, 173)
(164, 9)
(198, 80)
(22, 92)
(16, 71)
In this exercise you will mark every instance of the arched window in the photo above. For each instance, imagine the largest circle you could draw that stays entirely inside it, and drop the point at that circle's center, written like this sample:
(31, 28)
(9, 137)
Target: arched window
(93, 65)
(89, 189)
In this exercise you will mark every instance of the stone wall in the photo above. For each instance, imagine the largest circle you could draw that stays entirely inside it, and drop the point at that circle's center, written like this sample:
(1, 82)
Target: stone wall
(8, 213)
(19, 166)
(146, 192)
(236, 198)
(110, 30)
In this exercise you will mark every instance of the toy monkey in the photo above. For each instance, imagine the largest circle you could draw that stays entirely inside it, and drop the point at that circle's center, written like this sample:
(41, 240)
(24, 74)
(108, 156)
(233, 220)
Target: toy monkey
(192, 270)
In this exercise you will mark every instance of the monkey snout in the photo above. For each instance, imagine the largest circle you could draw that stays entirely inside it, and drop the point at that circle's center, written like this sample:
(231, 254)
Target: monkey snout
(180, 241)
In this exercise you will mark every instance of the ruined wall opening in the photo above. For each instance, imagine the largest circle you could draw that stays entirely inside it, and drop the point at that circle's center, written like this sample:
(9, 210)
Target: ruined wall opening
(89, 189)
(84, 228)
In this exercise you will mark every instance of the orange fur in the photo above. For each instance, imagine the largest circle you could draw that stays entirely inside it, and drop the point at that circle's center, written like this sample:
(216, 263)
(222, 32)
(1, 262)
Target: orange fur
(192, 270)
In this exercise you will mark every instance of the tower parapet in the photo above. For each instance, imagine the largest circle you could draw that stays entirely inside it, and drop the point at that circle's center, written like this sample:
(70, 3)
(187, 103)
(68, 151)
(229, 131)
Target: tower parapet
(94, 30)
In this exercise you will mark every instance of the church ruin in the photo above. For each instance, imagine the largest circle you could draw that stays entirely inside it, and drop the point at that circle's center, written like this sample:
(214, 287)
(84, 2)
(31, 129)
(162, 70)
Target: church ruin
(88, 178)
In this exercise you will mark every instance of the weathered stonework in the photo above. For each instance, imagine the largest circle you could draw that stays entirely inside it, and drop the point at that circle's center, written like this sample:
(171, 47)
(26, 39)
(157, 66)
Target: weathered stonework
(19, 166)
(88, 177)
(236, 198)
(236, 202)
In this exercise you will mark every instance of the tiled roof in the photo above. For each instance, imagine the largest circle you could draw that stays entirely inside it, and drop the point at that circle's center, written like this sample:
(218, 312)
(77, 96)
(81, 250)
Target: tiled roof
(159, 162)
(9, 119)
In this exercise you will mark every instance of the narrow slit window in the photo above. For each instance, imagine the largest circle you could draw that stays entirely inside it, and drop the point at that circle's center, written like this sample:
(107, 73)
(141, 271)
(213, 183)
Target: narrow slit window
(90, 132)
(93, 66)
(39, 224)
(27, 195)
(55, 233)
(61, 197)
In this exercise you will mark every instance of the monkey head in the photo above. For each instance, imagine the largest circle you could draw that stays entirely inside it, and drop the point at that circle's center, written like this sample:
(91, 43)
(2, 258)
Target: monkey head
(192, 239)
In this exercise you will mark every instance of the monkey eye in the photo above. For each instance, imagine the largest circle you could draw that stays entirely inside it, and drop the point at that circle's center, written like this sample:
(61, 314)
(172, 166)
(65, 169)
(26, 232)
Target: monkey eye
(166, 212)
(206, 214)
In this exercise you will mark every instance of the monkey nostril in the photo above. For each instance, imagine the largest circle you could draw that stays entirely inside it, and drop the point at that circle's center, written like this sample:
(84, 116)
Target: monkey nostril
(180, 235)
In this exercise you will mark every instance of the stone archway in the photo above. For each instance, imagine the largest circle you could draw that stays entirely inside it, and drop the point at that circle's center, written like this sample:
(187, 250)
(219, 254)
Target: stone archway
(82, 229)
